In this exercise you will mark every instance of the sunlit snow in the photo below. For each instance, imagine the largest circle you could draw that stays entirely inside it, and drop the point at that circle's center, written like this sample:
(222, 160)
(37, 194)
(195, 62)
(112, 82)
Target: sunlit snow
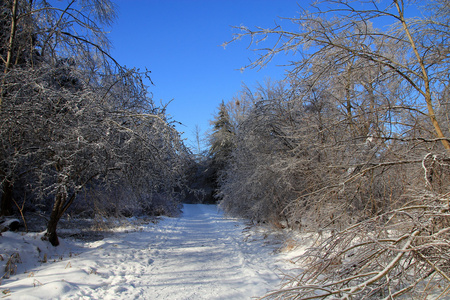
(201, 255)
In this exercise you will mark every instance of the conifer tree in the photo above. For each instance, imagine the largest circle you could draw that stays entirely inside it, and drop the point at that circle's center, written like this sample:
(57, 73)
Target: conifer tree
(221, 144)
(221, 139)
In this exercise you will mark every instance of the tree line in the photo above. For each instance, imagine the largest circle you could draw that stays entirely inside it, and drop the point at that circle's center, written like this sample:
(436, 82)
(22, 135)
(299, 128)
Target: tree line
(353, 143)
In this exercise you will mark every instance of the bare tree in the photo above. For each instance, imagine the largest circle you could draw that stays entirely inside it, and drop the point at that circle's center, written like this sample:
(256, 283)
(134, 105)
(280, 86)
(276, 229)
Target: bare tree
(75, 119)
(345, 147)
(402, 51)
(254, 185)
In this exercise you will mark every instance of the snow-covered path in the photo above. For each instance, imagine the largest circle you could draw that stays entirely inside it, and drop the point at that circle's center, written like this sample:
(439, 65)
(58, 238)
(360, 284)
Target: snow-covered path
(198, 256)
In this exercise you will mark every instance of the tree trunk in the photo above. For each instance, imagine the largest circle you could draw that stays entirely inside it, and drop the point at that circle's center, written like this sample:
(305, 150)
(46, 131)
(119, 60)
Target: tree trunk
(54, 219)
(12, 36)
(62, 203)
(7, 201)
(51, 231)
(426, 81)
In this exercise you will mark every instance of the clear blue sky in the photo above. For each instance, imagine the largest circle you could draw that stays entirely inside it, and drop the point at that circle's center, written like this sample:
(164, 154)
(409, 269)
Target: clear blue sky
(179, 42)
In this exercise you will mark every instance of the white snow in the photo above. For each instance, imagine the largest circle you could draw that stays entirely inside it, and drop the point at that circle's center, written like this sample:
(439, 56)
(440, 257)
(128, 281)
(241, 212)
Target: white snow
(201, 255)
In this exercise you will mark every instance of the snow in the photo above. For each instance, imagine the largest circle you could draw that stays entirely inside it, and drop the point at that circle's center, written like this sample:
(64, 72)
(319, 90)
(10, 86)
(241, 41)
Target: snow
(200, 255)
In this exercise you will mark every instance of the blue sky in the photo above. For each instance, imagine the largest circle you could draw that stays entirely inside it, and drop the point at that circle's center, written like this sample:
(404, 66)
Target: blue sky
(179, 42)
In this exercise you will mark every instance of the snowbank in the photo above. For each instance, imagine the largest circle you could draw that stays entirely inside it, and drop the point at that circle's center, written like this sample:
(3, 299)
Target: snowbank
(201, 255)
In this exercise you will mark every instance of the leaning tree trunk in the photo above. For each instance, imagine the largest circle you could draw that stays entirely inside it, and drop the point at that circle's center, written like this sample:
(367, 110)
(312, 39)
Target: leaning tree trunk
(426, 81)
(54, 218)
(62, 203)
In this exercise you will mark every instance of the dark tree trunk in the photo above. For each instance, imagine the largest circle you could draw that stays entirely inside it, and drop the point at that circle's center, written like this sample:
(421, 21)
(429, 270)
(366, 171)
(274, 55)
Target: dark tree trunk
(54, 218)
(51, 232)
(62, 203)
(7, 200)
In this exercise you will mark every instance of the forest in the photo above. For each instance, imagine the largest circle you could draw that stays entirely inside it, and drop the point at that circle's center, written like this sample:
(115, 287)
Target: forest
(354, 143)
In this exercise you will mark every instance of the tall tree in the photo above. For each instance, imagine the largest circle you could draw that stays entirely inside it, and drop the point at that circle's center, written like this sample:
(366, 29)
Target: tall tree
(412, 49)
(221, 139)
(221, 144)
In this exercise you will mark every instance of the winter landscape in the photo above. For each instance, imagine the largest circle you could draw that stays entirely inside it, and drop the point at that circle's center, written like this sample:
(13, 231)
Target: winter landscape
(327, 178)
(200, 255)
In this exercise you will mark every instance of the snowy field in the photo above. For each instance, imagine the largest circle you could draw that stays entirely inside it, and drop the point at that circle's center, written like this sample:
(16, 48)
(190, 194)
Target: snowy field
(200, 255)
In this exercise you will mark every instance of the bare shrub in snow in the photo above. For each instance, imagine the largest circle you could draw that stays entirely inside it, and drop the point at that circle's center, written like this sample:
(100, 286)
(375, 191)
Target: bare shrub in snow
(403, 252)
(11, 265)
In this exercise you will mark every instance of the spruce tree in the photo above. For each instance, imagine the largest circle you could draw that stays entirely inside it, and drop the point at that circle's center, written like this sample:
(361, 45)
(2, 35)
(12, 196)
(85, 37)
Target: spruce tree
(221, 145)
(221, 139)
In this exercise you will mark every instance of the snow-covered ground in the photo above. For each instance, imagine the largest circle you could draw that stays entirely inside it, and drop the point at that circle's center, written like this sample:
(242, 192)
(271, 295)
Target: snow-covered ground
(201, 255)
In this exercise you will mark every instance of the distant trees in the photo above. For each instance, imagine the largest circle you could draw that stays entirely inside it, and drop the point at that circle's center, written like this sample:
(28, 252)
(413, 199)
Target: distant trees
(208, 165)
(74, 120)
(251, 185)
(355, 143)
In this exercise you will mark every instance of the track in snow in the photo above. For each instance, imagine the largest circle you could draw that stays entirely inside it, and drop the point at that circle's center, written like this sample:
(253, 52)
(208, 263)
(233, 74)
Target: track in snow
(201, 255)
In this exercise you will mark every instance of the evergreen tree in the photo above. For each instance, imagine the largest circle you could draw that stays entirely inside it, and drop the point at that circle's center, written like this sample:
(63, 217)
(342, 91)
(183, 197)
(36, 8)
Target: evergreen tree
(221, 144)
(221, 140)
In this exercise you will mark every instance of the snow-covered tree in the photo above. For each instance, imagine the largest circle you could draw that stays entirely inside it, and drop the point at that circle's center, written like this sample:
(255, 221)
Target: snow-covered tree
(74, 120)
(221, 139)
(363, 120)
